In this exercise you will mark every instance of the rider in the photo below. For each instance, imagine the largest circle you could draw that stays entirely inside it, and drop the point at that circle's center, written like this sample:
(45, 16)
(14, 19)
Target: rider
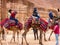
(12, 17)
(35, 15)
(50, 16)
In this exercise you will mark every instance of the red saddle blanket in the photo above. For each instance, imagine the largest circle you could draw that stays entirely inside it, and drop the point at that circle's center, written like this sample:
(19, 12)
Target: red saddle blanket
(3, 21)
(28, 23)
(43, 24)
(7, 23)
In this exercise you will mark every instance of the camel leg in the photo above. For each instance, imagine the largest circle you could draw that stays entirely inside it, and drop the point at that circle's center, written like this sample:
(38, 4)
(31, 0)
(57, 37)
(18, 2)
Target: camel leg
(37, 35)
(0, 35)
(40, 40)
(3, 34)
(45, 37)
(0, 39)
(50, 36)
(22, 41)
(0, 42)
(13, 37)
(24, 35)
(18, 36)
(34, 36)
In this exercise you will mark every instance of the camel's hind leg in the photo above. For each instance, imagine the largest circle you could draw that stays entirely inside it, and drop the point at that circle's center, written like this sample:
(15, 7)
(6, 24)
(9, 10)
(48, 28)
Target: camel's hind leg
(40, 40)
(3, 33)
(13, 37)
(18, 35)
(24, 35)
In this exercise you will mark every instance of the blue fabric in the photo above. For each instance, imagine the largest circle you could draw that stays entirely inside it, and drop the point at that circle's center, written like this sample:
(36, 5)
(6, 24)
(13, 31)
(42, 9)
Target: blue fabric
(57, 40)
(14, 20)
(51, 15)
(37, 19)
(37, 16)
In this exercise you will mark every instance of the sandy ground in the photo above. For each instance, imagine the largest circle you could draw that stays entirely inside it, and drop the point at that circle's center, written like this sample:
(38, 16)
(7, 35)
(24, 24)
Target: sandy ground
(30, 39)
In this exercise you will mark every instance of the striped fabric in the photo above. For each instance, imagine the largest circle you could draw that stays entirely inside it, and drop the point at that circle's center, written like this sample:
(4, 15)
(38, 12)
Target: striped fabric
(43, 24)
(3, 22)
(28, 23)
(7, 23)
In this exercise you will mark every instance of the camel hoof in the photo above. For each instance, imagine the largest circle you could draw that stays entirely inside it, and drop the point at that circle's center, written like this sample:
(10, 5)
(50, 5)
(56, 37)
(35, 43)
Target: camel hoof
(10, 42)
(45, 40)
(27, 43)
(40, 43)
(48, 39)
(21, 44)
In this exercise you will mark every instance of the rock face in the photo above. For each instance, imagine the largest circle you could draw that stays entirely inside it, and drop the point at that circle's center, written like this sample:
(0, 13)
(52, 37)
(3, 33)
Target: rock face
(45, 6)
(21, 6)
(0, 10)
(46, 3)
(25, 7)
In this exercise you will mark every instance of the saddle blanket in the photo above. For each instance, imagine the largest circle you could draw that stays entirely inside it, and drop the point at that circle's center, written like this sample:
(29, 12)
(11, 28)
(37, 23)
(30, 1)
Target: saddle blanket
(43, 24)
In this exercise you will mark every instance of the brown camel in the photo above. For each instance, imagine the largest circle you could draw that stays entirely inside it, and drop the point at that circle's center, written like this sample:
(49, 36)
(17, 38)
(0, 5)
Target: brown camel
(15, 30)
(28, 25)
(52, 24)
(12, 27)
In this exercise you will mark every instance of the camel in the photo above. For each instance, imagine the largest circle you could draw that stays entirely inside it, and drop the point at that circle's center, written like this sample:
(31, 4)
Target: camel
(52, 24)
(28, 24)
(13, 28)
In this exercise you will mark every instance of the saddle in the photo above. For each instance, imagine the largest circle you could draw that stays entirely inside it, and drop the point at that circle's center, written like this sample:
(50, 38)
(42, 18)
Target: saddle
(11, 23)
(35, 21)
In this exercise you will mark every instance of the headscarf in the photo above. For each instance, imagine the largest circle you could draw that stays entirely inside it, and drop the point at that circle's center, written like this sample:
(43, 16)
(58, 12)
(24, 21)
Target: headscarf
(51, 15)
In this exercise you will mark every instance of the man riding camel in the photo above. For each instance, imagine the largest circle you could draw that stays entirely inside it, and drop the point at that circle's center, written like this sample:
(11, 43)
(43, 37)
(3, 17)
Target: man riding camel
(50, 16)
(35, 15)
(11, 16)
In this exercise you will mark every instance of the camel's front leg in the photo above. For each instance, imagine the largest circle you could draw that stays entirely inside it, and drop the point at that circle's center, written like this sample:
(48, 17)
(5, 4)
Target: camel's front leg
(3, 33)
(24, 35)
(40, 40)
(0, 42)
(50, 36)
(45, 37)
